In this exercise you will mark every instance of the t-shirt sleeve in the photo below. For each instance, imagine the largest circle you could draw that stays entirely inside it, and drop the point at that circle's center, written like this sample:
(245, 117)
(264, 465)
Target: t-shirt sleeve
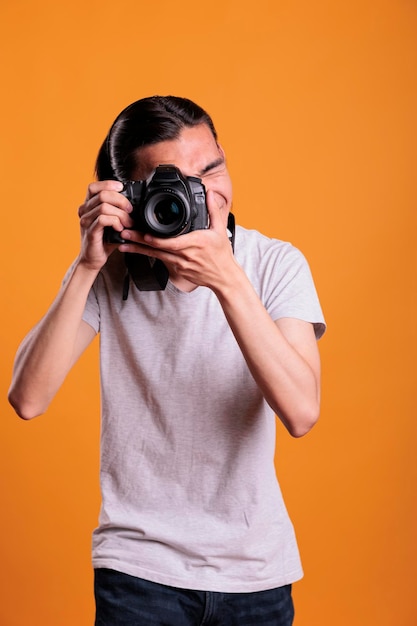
(91, 313)
(290, 289)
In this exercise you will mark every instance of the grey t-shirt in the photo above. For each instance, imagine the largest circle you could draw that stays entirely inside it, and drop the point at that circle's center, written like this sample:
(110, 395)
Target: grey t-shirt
(190, 496)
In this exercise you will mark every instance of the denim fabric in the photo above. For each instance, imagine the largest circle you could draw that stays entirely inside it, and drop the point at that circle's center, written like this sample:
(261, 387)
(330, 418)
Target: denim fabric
(123, 600)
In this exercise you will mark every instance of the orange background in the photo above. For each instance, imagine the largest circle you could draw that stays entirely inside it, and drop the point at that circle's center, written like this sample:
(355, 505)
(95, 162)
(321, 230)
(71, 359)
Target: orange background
(315, 104)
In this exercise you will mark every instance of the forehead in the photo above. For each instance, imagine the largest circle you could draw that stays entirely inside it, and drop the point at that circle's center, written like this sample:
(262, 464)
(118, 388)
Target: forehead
(191, 152)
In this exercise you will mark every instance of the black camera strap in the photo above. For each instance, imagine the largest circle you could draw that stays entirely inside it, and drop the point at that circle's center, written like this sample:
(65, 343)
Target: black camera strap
(231, 227)
(150, 274)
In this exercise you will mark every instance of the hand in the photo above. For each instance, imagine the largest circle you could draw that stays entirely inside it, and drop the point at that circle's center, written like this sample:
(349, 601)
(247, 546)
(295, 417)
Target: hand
(104, 206)
(200, 257)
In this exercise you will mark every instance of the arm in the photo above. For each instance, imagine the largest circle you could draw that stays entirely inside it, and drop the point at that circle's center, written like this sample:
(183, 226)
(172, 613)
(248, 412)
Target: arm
(53, 346)
(282, 356)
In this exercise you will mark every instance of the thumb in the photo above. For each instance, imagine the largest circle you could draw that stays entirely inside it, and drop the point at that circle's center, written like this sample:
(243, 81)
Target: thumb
(214, 210)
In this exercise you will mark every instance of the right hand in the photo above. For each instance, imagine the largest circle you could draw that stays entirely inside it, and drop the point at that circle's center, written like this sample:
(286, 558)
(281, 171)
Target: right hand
(104, 206)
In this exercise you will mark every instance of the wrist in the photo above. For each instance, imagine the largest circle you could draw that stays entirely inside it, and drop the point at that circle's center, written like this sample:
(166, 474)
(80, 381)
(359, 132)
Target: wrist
(232, 283)
(84, 272)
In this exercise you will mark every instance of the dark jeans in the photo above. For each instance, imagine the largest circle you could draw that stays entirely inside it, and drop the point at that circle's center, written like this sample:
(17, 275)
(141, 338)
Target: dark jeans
(123, 600)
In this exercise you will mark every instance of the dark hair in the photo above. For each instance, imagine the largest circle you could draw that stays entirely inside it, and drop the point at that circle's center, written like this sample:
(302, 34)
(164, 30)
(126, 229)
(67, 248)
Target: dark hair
(142, 123)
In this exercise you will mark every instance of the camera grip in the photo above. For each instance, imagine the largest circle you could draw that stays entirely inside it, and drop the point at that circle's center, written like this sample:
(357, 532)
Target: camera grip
(112, 236)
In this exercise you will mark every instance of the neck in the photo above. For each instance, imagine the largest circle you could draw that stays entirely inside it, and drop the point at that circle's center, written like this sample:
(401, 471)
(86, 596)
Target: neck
(179, 281)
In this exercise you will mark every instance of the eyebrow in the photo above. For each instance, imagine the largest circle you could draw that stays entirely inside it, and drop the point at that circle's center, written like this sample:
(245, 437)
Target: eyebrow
(211, 166)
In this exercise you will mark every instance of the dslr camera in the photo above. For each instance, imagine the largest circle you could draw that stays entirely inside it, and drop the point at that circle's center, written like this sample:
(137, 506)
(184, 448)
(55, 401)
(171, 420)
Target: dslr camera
(166, 204)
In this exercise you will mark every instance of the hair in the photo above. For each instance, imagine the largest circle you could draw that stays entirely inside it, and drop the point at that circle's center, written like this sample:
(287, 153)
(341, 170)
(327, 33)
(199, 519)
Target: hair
(143, 123)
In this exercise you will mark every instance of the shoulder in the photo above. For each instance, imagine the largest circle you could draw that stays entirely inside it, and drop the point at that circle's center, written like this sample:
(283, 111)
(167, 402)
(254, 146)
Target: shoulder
(253, 248)
(281, 276)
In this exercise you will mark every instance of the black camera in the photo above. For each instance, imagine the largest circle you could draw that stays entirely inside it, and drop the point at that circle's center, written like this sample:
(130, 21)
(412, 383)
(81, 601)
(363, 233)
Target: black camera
(166, 204)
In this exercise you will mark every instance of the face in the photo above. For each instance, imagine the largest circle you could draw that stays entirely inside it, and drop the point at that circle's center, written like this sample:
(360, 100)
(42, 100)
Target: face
(196, 153)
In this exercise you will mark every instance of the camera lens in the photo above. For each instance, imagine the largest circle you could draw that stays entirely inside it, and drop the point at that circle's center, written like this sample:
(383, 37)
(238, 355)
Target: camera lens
(166, 214)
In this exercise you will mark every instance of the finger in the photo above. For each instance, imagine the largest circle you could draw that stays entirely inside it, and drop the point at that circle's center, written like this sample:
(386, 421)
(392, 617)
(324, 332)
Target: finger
(111, 198)
(214, 210)
(101, 185)
(107, 203)
(136, 243)
(108, 215)
(168, 244)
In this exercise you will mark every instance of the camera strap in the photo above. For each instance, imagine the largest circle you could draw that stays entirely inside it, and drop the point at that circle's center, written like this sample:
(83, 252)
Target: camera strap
(231, 227)
(150, 274)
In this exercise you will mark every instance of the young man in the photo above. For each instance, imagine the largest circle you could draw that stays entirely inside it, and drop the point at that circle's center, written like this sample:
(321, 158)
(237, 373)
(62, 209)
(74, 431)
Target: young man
(193, 528)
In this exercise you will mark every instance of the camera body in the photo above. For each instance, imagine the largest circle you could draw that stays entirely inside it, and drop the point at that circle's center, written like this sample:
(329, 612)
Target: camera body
(167, 204)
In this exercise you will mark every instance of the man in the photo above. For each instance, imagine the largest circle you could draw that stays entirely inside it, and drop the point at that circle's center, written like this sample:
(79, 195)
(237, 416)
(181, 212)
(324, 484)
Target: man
(192, 529)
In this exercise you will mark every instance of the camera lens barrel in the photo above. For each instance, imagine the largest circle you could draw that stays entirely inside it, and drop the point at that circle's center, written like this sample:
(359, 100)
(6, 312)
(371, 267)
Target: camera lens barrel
(167, 213)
